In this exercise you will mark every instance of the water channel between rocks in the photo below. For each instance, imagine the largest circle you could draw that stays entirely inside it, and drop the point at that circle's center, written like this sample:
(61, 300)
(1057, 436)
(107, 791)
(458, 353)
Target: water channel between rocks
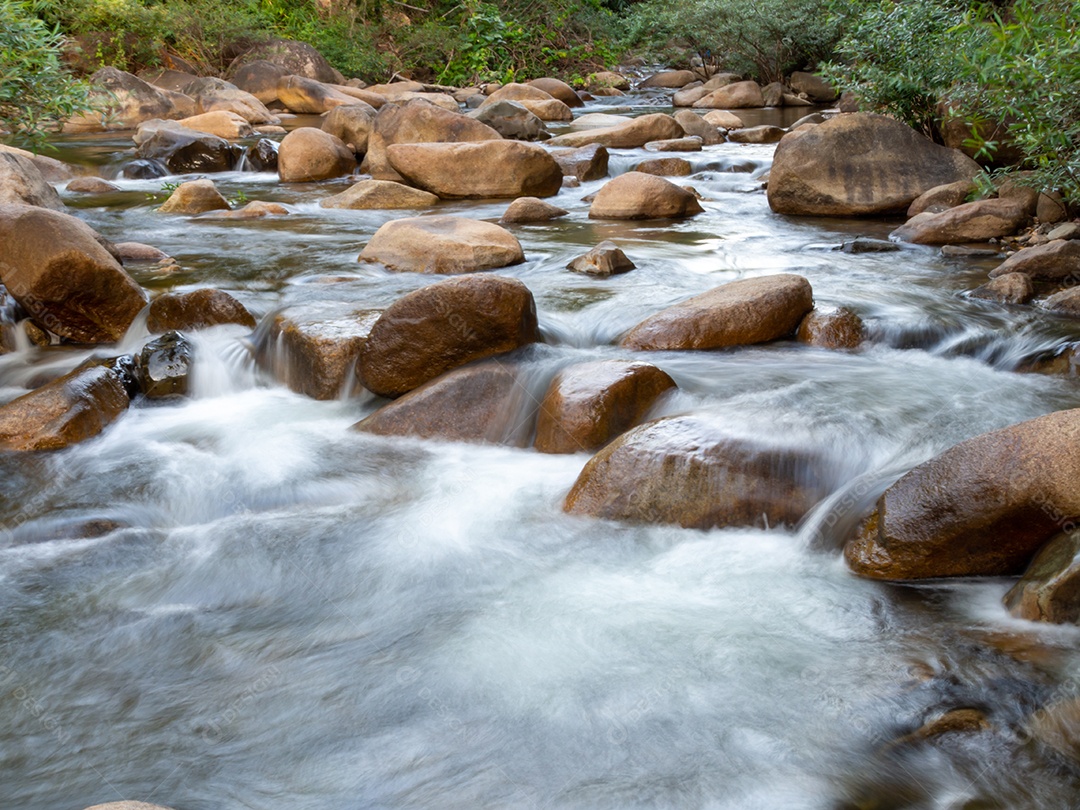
(282, 613)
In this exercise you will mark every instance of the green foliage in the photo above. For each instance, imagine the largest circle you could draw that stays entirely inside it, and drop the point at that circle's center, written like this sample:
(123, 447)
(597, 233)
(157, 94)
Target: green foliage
(35, 90)
(765, 39)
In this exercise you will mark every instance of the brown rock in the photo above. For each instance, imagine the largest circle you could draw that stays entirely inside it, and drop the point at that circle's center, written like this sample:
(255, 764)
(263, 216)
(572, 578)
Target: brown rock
(194, 197)
(977, 221)
(1069, 230)
(740, 313)
(1023, 195)
(21, 183)
(606, 80)
(1010, 288)
(631, 135)
(445, 325)
(762, 134)
(91, 185)
(738, 95)
(589, 404)
(835, 329)
(859, 165)
(222, 123)
(692, 144)
(55, 266)
(72, 409)
(128, 806)
(1051, 208)
(939, 198)
(587, 163)
(476, 170)
(606, 259)
(636, 195)
(1055, 261)
(694, 125)
(292, 56)
(956, 721)
(260, 78)
(511, 120)
(981, 508)
(442, 245)
(361, 95)
(1057, 727)
(559, 90)
(200, 309)
(665, 167)
(723, 119)
(1066, 302)
(256, 209)
(352, 124)
(519, 93)
(773, 94)
(690, 95)
(670, 79)
(814, 87)
(214, 94)
(483, 403)
(307, 96)
(380, 194)
(120, 101)
(308, 154)
(52, 170)
(1049, 591)
(531, 209)
(681, 470)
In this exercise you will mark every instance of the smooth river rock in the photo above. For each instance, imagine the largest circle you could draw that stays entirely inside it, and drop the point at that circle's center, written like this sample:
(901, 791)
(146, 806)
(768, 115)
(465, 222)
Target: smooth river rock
(977, 221)
(1049, 591)
(380, 194)
(502, 168)
(631, 135)
(308, 154)
(199, 309)
(21, 183)
(1058, 260)
(637, 195)
(442, 245)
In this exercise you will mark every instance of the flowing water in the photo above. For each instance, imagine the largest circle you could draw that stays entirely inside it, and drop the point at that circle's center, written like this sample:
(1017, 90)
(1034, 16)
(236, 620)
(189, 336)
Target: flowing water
(237, 602)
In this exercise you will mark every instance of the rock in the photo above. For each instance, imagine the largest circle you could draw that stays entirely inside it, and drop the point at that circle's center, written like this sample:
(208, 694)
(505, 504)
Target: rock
(740, 313)
(222, 123)
(1049, 591)
(665, 167)
(511, 120)
(965, 251)
(861, 244)
(636, 195)
(812, 119)
(977, 221)
(308, 154)
(163, 366)
(72, 409)
(1055, 261)
(835, 329)
(262, 156)
(957, 132)
(859, 165)
(91, 185)
(376, 102)
(138, 253)
(815, 88)
(762, 134)
(1010, 288)
(1057, 726)
(418, 122)
(690, 95)
(442, 245)
(120, 101)
(559, 90)
(396, 91)
(981, 508)
(52, 170)
(604, 80)
(214, 94)
(1066, 302)
(519, 93)
(1051, 207)
(256, 209)
(316, 347)
(480, 403)
(21, 183)
(194, 197)
(307, 96)
(681, 470)
(795, 101)
(675, 145)
(443, 326)
(292, 56)
(939, 198)
(955, 721)
(589, 404)
(587, 163)
(606, 259)
(200, 309)
(1069, 230)
(143, 170)
(724, 119)
(352, 124)
(631, 135)
(478, 170)
(671, 79)
(694, 125)
(738, 95)
(260, 78)
(183, 150)
(531, 209)
(380, 194)
(773, 94)
(55, 266)
(1023, 195)
(718, 80)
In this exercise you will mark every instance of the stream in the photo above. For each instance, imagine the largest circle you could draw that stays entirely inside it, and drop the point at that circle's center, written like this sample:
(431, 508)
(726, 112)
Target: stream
(236, 603)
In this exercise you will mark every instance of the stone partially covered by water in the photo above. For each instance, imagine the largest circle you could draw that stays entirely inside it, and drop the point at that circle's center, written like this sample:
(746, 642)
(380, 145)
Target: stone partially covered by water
(163, 366)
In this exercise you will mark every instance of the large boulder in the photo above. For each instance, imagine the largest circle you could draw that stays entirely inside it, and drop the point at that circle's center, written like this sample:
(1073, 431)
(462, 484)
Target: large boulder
(543, 105)
(53, 170)
(21, 183)
(587, 163)
(1050, 588)
(477, 170)
(292, 56)
(163, 366)
(860, 164)
(216, 94)
(694, 125)
(195, 197)
(418, 121)
(442, 245)
(55, 266)
(683, 470)
(977, 221)
(981, 508)
(260, 78)
(511, 120)
(939, 198)
(740, 313)
(308, 154)
(1065, 302)
(183, 150)
(445, 325)
(199, 309)
(481, 403)
(669, 79)
(606, 259)
(559, 90)
(1058, 260)
(380, 195)
(814, 87)
(690, 95)
(735, 96)
(76, 407)
(121, 101)
(631, 135)
(351, 123)
(839, 328)
(589, 404)
(1009, 288)
(723, 119)
(222, 123)
(636, 195)
(307, 96)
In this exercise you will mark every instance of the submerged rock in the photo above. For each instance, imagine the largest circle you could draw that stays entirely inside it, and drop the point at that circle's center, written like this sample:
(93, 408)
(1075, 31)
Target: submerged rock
(606, 259)
(442, 245)
(183, 150)
(163, 366)
(589, 404)
(194, 197)
(839, 328)
(380, 195)
(1049, 591)
(587, 163)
